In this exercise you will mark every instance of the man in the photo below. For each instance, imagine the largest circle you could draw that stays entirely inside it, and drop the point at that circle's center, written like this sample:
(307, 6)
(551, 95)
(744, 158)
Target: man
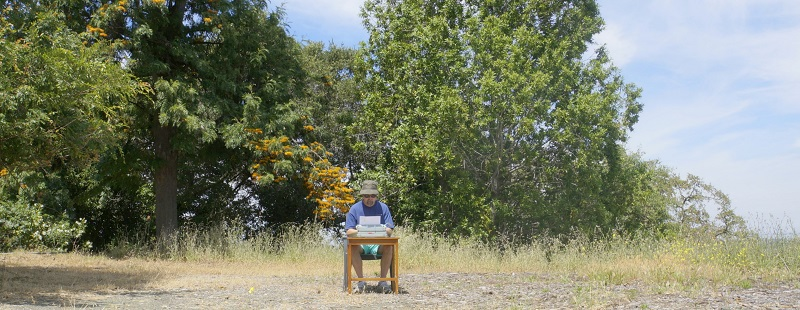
(370, 206)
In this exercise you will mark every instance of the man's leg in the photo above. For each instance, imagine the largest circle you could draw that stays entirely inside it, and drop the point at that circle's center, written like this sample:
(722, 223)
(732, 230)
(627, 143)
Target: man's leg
(357, 264)
(386, 252)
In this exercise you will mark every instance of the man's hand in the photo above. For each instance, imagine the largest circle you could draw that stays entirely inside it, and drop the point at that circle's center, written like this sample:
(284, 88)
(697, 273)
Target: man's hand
(351, 232)
(388, 231)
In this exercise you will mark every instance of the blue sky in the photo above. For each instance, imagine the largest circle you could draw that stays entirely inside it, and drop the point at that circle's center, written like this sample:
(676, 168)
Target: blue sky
(720, 80)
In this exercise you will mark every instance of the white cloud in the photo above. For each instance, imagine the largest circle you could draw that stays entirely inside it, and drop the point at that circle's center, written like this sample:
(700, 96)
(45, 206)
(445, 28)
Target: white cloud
(698, 62)
(720, 92)
(728, 41)
(758, 186)
(621, 49)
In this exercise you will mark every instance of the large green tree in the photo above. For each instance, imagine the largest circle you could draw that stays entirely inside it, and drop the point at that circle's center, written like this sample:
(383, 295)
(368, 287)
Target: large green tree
(216, 67)
(60, 98)
(689, 203)
(61, 105)
(333, 101)
(308, 179)
(490, 112)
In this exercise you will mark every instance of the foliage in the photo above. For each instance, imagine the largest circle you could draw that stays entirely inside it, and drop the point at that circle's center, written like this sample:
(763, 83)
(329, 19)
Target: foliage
(488, 113)
(216, 68)
(326, 184)
(62, 105)
(332, 102)
(60, 100)
(114, 198)
(25, 224)
(314, 152)
(690, 199)
(482, 120)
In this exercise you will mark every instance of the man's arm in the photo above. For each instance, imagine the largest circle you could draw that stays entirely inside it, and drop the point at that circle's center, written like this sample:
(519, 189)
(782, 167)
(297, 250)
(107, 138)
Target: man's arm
(387, 219)
(351, 220)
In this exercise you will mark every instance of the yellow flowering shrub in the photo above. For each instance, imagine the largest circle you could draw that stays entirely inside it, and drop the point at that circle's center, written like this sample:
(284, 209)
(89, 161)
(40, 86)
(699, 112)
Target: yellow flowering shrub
(285, 159)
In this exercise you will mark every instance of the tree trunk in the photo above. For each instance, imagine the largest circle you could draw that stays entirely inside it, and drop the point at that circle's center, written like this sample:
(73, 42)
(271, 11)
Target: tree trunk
(165, 182)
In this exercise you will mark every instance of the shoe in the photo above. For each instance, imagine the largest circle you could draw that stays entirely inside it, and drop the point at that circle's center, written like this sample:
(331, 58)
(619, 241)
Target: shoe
(360, 287)
(385, 287)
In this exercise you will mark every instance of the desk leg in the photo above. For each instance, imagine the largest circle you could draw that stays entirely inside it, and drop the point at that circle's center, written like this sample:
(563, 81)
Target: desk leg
(396, 268)
(349, 269)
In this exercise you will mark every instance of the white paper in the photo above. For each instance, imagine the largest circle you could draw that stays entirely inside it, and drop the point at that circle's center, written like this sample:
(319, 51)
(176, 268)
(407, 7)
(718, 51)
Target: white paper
(369, 220)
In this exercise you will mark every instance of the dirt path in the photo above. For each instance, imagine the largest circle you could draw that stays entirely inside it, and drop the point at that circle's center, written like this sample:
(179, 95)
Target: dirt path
(420, 291)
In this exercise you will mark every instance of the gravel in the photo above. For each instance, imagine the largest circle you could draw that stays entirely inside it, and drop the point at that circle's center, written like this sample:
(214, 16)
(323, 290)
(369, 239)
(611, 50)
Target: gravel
(420, 291)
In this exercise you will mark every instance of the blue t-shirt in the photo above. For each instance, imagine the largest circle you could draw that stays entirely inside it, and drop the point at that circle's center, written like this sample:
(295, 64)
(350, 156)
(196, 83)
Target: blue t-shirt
(359, 209)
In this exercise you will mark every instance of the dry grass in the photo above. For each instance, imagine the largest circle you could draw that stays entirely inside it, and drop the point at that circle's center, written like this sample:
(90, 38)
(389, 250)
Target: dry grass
(41, 276)
(662, 264)
(209, 257)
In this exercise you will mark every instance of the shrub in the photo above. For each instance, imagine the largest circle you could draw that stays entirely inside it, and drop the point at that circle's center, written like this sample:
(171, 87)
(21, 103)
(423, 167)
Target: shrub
(26, 226)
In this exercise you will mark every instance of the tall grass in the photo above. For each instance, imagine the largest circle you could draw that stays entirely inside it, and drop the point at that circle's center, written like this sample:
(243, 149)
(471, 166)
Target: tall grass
(225, 242)
(666, 264)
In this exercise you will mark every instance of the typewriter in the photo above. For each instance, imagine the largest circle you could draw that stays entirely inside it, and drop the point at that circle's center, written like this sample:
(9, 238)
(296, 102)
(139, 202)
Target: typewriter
(371, 230)
(371, 227)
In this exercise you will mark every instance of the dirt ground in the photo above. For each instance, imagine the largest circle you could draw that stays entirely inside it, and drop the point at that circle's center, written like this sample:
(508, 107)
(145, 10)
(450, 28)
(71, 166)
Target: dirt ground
(420, 291)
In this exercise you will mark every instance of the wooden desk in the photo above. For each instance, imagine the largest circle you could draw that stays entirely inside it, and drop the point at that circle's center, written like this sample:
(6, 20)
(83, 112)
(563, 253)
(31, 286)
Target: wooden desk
(373, 240)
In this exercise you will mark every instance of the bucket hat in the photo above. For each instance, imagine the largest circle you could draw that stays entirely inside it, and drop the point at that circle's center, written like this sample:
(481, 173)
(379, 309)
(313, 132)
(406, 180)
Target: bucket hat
(369, 187)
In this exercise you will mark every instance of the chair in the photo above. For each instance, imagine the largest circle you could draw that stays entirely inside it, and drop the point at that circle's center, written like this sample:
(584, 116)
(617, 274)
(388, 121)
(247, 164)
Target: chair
(364, 257)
